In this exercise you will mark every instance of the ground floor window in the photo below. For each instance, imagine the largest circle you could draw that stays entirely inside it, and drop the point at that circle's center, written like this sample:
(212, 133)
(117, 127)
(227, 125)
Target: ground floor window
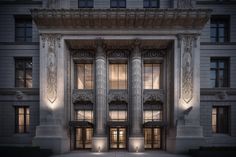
(152, 138)
(220, 119)
(22, 119)
(83, 138)
(117, 138)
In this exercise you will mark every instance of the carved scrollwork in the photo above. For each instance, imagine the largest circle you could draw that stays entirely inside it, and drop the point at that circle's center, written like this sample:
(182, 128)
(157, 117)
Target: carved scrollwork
(53, 42)
(187, 67)
(185, 4)
(156, 95)
(83, 54)
(150, 53)
(118, 53)
(82, 95)
(118, 96)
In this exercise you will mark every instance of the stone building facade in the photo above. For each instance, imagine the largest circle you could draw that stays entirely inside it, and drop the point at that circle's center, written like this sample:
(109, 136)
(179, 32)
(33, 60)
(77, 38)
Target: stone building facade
(136, 75)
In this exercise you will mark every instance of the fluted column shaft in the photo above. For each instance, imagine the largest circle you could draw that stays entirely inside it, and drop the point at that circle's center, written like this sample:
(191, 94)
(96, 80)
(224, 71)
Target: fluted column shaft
(100, 123)
(136, 90)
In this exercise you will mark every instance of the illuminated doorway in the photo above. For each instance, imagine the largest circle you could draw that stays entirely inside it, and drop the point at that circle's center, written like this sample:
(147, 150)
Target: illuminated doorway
(117, 138)
(83, 138)
(152, 138)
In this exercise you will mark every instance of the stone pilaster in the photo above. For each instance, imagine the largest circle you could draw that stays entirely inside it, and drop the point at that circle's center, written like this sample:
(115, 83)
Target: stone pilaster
(136, 136)
(51, 132)
(188, 132)
(100, 139)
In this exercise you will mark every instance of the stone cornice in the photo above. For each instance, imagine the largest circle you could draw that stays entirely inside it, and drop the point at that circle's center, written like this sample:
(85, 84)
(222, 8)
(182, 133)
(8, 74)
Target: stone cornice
(121, 18)
(13, 91)
(215, 91)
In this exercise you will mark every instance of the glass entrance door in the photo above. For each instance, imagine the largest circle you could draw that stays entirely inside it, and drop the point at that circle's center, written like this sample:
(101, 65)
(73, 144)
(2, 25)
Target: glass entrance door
(83, 138)
(152, 138)
(117, 138)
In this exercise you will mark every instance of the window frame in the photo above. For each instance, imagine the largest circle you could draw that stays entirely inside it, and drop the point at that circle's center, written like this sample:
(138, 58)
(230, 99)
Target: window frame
(227, 125)
(86, 4)
(117, 4)
(25, 126)
(84, 118)
(25, 19)
(226, 70)
(149, 4)
(24, 60)
(152, 119)
(77, 75)
(118, 113)
(219, 19)
(160, 76)
(126, 76)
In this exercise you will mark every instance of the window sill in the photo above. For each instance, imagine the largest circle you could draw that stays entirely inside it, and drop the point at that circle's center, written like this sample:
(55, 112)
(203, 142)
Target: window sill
(220, 135)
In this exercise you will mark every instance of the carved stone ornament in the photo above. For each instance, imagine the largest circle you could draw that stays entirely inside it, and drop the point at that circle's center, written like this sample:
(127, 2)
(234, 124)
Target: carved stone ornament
(118, 53)
(156, 95)
(187, 67)
(83, 54)
(53, 42)
(82, 96)
(222, 95)
(118, 96)
(152, 53)
(184, 3)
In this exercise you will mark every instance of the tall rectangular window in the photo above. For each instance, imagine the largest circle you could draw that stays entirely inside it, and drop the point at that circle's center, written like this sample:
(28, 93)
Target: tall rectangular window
(151, 76)
(118, 76)
(23, 72)
(219, 72)
(118, 115)
(220, 119)
(23, 29)
(85, 76)
(84, 115)
(220, 26)
(22, 119)
(85, 3)
(118, 3)
(151, 3)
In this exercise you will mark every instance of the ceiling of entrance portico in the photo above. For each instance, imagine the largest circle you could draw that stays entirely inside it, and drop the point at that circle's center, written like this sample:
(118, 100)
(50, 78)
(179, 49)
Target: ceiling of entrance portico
(110, 44)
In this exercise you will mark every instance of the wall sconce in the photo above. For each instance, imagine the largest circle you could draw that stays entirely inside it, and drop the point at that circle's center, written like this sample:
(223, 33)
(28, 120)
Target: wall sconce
(99, 149)
(136, 149)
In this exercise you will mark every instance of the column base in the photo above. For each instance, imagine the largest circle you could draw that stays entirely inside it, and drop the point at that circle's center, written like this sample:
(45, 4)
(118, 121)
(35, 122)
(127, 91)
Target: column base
(187, 137)
(51, 137)
(136, 144)
(99, 144)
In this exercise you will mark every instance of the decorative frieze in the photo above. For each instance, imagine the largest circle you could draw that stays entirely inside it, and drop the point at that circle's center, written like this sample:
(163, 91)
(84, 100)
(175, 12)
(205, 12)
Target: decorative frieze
(153, 95)
(153, 53)
(53, 43)
(118, 95)
(82, 96)
(83, 54)
(118, 53)
(185, 3)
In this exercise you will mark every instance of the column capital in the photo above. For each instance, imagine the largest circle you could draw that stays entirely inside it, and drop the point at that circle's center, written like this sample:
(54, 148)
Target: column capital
(136, 53)
(51, 39)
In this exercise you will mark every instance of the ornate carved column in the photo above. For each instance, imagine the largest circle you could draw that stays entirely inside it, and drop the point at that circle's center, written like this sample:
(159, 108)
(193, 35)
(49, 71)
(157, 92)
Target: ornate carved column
(51, 132)
(100, 139)
(136, 136)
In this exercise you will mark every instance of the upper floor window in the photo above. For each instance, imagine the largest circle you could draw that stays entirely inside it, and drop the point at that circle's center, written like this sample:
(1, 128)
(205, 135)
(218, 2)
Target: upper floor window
(23, 29)
(118, 76)
(220, 119)
(151, 76)
(85, 76)
(152, 115)
(22, 119)
(220, 28)
(118, 3)
(84, 115)
(151, 3)
(85, 3)
(23, 72)
(118, 115)
(219, 72)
